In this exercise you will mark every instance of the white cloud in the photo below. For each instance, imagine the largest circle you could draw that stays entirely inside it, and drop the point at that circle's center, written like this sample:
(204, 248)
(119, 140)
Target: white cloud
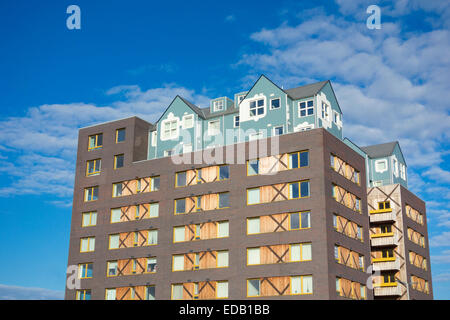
(441, 240)
(437, 174)
(230, 18)
(26, 293)
(38, 150)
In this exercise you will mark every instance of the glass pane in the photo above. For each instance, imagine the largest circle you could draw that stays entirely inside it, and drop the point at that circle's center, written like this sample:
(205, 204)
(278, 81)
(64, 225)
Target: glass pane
(253, 256)
(181, 179)
(177, 291)
(150, 293)
(154, 210)
(86, 219)
(224, 172)
(111, 294)
(275, 104)
(304, 159)
(295, 252)
(119, 161)
(293, 160)
(296, 285)
(91, 244)
(155, 184)
(306, 220)
(253, 196)
(222, 259)
(222, 289)
(115, 215)
(295, 221)
(120, 135)
(178, 262)
(306, 251)
(304, 188)
(224, 200)
(180, 205)
(84, 245)
(293, 190)
(114, 241)
(253, 225)
(153, 237)
(253, 288)
(223, 229)
(307, 284)
(99, 140)
(93, 218)
(179, 234)
(253, 167)
(89, 270)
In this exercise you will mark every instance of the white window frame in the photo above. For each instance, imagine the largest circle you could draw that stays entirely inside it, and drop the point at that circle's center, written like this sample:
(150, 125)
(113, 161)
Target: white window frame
(188, 117)
(325, 111)
(306, 108)
(256, 108)
(218, 105)
(234, 122)
(377, 162)
(270, 104)
(173, 129)
(274, 130)
(213, 132)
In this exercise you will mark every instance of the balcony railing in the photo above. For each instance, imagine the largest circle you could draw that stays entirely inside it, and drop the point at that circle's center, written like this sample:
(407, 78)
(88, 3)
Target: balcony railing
(384, 239)
(387, 289)
(382, 215)
(385, 264)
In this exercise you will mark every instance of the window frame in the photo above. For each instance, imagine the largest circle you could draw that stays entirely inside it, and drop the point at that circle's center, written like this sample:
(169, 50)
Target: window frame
(210, 130)
(116, 157)
(256, 108)
(95, 172)
(93, 190)
(117, 135)
(279, 104)
(91, 214)
(306, 108)
(96, 145)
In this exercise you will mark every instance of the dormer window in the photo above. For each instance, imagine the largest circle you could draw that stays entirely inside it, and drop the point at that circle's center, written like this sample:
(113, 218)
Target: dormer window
(218, 105)
(256, 107)
(240, 98)
(306, 108)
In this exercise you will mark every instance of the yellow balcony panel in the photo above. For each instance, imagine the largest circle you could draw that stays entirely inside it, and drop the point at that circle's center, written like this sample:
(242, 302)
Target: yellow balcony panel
(383, 259)
(380, 235)
(380, 211)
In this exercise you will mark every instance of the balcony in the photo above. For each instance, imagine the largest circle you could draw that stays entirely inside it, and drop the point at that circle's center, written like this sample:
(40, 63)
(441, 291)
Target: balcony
(382, 215)
(383, 239)
(387, 289)
(386, 264)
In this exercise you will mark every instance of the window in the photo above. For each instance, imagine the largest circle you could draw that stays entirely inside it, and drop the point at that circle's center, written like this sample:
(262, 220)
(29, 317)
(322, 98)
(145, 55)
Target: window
(388, 278)
(294, 221)
(252, 167)
(154, 185)
(118, 161)
(214, 127)
(114, 241)
(95, 141)
(386, 228)
(180, 179)
(384, 205)
(300, 252)
(222, 289)
(253, 287)
(89, 219)
(187, 147)
(110, 294)
(278, 131)
(116, 214)
(168, 153)
(87, 244)
(154, 210)
(170, 129)
(222, 259)
(298, 189)
(299, 220)
(85, 270)
(256, 107)
(325, 111)
(387, 253)
(223, 229)
(236, 121)
(83, 294)
(381, 165)
(112, 268)
(298, 159)
(253, 225)
(178, 262)
(152, 238)
(218, 105)
(91, 194)
(335, 117)
(151, 265)
(180, 206)
(150, 293)
(120, 135)
(188, 121)
(93, 167)
(253, 256)
(275, 103)
(117, 189)
(253, 196)
(301, 285)
(177, 291)
(224, 200)
(178, 234)
(224, 172)
(305, 108)
(241, 97)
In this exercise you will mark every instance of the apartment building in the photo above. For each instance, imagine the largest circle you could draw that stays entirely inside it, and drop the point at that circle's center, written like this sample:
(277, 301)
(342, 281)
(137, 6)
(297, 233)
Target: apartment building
(258, 197)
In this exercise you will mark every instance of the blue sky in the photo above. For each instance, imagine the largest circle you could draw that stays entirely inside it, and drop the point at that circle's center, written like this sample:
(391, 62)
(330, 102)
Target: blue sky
(133, 57)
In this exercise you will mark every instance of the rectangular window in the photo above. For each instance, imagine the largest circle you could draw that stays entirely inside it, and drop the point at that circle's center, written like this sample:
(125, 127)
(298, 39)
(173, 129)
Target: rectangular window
(224, 200)
(151, 265)
(83, 294)
(89, 219)
(278, 131)
(85, 270)
(218, 105)
(253, 196)
(253, 288)
(91, 194)
(236, 121)
(180, 206)
(110, 294)
(95, 141)
(154, 210)
(152, 237)
(116, 215)
(275, 103)
(178, 262)
(253, 225)
(150, 293)
(298, 159)
(384, 205)
(214, 127)
(294, 221)
(305, 108)
(177, 291)
(256, 107)
(120, 135)
(252, 167)
(224, 172)
(112, 268)
(93, 167)
(223, 229)
(170, 129)
(188, 121)
(298, 189)
(253, 256)
(222, 259)
(154, 185)
(118, 161)
(87, 244)
(114, 241)
(117, 189)
(179, 234)
(180, 179)
(222, 289)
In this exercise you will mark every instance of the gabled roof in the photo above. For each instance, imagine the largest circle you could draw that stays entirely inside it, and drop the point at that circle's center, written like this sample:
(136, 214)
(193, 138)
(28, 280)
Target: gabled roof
(305, 91)
(380, 150)
(196, 109)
